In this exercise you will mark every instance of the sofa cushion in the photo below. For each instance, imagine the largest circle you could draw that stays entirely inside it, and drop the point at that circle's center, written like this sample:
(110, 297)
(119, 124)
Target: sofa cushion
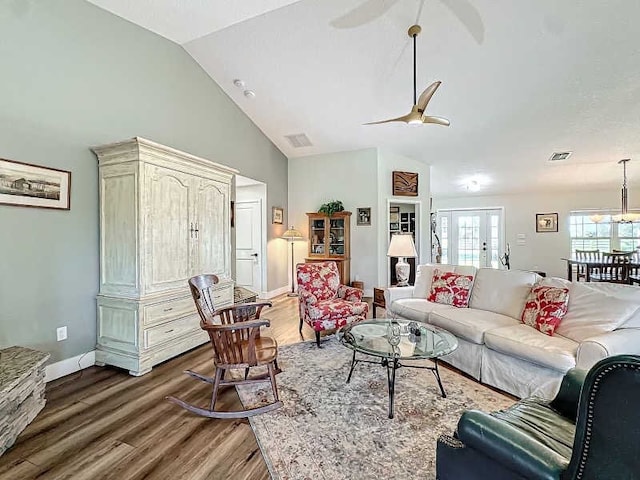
(450, 288)
(416, 308)
(424, 276)
(596, 308)
(502, 291)
(526, 343)
(468, 323)
(545, 307)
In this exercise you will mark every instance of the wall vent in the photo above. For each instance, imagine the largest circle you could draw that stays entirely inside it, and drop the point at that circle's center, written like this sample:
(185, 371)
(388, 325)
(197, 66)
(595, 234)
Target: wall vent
(559, 156)
(298, 140)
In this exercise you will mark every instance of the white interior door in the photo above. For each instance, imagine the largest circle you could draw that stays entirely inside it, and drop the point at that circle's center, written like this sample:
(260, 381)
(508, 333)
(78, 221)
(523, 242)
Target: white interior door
(248, 224)
(472, 237)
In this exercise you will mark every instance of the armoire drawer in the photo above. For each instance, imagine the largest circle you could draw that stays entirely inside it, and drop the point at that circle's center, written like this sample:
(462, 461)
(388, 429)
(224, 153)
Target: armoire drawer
(161, 312)
(166, 332)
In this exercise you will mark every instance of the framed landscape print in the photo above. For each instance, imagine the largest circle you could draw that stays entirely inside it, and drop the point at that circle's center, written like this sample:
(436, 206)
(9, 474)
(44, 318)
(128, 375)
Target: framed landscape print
(27, 185)
(546, 222)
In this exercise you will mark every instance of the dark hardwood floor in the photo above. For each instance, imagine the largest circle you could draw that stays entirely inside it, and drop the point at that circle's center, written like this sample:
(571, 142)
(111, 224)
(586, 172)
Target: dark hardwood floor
(102, 423)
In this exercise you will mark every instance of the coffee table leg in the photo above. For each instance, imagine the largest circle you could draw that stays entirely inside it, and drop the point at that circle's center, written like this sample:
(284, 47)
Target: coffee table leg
(436, 373)
(391, 378)
(353, 364)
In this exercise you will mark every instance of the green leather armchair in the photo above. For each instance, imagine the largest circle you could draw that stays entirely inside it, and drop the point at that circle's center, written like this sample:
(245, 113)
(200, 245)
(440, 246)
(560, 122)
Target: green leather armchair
(589, 431)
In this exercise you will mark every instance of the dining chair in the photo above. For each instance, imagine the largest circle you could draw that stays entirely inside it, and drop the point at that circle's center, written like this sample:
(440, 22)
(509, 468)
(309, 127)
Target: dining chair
(625, 253)
(586, 256)
(634, 268)
(235, 337)
(614, 269)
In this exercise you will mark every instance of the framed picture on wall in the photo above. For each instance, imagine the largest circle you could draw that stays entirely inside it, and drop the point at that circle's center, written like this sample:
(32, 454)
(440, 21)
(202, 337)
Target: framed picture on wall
(364, 216)
(394, 214)
(27, 185)
(546, 222)
(277, 215)
(405, 184)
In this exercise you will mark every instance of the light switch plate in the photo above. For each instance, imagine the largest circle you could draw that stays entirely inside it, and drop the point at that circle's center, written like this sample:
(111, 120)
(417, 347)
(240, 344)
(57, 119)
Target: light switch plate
(61, 333)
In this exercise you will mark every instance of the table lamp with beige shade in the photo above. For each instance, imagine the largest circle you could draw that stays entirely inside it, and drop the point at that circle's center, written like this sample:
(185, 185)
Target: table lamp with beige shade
(291, 236)
(402, 246)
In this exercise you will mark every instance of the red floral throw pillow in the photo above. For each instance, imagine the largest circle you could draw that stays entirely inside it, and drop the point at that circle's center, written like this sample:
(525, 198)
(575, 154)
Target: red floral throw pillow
(545, 308)
(450, 288)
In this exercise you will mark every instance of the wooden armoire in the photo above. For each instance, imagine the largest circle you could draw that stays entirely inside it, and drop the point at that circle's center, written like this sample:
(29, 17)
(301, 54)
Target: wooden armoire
(164, 217)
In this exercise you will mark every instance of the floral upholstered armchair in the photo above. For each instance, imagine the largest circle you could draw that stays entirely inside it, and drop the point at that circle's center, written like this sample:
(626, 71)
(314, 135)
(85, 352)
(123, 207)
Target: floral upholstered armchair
(325, 304)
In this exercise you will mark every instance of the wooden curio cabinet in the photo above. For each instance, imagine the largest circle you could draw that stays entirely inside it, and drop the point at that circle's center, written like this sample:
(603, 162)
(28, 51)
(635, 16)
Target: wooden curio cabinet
(330, 239)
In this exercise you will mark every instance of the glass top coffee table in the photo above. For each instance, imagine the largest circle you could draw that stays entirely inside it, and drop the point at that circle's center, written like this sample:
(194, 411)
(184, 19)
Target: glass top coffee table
(393, 340)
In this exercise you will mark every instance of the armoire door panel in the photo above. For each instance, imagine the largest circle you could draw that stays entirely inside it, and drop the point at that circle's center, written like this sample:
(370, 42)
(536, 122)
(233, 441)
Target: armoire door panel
(169, 230)
(213, 244)
(119, 236)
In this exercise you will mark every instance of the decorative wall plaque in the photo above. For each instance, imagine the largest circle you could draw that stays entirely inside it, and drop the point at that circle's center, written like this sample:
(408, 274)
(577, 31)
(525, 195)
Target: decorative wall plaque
(405, 184)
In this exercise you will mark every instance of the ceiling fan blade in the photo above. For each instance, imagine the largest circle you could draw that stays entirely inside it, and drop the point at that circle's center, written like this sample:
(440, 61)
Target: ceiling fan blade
(468, 15)
(425, 96)
(404, 118)
(436, 120)
(363, 13)
(417, 22)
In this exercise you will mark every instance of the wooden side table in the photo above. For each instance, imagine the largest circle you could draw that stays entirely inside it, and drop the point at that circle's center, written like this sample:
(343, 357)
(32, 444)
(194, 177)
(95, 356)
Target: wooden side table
(378, 299)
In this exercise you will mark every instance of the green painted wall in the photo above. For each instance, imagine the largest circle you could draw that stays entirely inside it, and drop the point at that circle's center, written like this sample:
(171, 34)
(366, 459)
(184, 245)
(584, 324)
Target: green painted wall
(73, 76)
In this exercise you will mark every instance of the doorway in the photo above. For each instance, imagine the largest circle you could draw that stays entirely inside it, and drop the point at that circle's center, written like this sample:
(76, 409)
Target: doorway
(250, 228)
(403, 217)
(472, 237)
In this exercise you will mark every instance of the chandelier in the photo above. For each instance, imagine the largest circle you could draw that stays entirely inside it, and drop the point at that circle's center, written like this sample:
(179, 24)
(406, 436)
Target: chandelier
(624, 216)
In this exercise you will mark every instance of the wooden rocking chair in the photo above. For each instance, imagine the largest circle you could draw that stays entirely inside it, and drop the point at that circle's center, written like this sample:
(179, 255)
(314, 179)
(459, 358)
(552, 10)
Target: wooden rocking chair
(236, 343)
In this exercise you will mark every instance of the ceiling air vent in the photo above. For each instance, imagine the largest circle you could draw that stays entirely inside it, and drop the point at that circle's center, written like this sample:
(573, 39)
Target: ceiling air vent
(298, 140)
(559, 156)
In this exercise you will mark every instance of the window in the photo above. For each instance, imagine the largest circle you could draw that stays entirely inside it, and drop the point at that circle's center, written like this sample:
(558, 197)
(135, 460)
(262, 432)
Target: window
(605, 235)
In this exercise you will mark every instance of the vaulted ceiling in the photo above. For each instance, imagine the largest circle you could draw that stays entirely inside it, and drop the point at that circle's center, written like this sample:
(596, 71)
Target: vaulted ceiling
(548, 76)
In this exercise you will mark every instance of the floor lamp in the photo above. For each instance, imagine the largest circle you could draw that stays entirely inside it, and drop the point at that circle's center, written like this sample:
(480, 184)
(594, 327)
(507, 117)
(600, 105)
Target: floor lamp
(292, 235)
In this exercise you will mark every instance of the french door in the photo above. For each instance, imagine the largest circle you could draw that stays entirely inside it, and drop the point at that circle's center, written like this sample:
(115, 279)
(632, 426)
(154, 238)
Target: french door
(472, 237)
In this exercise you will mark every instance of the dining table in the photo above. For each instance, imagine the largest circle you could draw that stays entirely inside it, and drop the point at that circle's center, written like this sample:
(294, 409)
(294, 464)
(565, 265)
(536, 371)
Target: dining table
(591, 265)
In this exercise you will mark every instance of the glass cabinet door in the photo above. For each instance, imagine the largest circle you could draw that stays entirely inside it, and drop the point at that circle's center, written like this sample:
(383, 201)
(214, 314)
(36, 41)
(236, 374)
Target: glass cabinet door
(336, 236)
(317, 235)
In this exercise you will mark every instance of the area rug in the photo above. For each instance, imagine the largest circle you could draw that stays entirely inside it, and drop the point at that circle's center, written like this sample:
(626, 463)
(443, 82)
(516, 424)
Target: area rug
(331, 430)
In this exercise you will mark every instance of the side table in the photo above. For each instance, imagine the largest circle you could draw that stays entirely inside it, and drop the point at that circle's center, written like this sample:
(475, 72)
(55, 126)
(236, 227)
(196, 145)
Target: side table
(378, 299)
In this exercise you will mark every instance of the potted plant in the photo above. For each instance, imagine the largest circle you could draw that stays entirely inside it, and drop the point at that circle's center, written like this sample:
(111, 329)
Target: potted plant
(331, 207)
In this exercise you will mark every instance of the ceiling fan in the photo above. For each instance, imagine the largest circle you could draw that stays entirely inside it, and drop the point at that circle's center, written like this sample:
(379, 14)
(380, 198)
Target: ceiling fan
(369, 10)
(417, 116)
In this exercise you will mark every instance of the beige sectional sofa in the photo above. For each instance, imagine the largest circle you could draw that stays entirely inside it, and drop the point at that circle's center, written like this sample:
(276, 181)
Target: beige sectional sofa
(496, 348)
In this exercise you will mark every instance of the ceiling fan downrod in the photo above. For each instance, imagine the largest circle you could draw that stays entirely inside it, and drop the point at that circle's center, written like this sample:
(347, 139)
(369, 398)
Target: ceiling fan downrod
(414, 31)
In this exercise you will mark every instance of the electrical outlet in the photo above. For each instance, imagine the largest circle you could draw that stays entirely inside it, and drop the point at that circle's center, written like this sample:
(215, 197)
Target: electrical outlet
(61, 333)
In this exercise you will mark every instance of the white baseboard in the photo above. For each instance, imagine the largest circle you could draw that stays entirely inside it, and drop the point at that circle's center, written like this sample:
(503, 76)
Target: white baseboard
(69, 365)
(275, 293)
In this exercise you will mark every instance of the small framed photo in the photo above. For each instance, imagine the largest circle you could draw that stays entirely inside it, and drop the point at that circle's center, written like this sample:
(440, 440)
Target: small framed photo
(546, 222)
(364, 216)
(27, 185)
(277, 215)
